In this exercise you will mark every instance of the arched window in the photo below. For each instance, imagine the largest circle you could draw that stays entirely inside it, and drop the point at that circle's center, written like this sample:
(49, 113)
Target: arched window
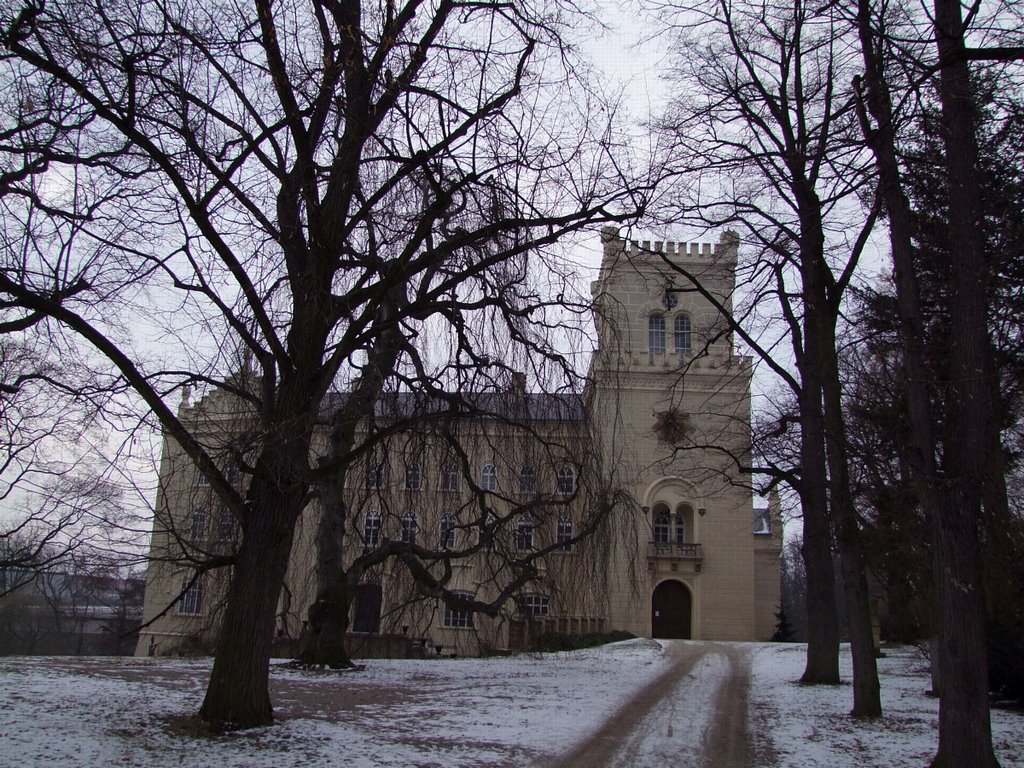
(227, 528)
(563, 533)
(684, 335)
(656, 334)
(413, 476)
(566, 480)
(527, 480)
(661, 526)
(371, 528)
(410, 527)
(684, 519)
(489, 478)
(485, 529)
(524, 532)
(374, 475)
(446, 531)
(450, 476)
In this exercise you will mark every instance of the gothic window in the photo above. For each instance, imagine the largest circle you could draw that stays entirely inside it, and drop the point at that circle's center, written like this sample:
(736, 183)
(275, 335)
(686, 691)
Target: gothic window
(527, 480)
(489, 478)
(371, 528)
(446, 532)
(524, 532)
(661, 526)
(566, 480)
(450, 476)
(458, 618)
(563, 533)
(413, 478)
(191, 603)
(410, 527)
(684, 335)
(656, 334)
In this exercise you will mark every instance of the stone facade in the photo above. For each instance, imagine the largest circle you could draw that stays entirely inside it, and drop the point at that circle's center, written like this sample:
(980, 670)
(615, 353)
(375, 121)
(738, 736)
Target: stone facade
(646, 461)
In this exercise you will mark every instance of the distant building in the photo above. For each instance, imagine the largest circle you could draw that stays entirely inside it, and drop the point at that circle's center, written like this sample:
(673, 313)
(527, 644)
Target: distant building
(60, 613)
(653, 445)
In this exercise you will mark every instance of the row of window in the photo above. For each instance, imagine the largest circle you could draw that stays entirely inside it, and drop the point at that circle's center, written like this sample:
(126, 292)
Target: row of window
(683, 333)
(529, 605)
(191, 604)
(451, 478)
(227, 528)
(447, 528)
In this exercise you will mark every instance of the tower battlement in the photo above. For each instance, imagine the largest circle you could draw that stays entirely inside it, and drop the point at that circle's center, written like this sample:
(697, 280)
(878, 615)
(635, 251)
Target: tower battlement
(616, 247)
(669, 248)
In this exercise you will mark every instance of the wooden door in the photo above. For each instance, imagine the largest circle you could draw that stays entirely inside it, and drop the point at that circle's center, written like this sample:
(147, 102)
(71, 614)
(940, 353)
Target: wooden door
(671, 605)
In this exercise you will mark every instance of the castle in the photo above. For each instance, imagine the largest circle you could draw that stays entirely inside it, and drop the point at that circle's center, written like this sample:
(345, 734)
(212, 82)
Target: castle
(621, 507)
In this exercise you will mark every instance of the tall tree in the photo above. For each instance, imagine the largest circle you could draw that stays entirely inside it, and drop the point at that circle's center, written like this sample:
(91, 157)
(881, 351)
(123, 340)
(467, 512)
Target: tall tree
(876, 391)
(342, 191)
(955, 484)
(767, 143)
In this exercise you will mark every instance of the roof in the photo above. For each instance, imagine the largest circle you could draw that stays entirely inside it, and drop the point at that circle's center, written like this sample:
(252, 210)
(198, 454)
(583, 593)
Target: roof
(505, 406)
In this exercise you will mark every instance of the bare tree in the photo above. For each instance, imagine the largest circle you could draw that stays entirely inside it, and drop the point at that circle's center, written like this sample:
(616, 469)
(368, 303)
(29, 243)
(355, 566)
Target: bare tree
(521, 486)
(344, 193)
(767, 142)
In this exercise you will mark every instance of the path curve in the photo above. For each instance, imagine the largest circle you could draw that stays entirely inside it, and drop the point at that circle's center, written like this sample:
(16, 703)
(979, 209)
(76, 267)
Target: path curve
(693, 716)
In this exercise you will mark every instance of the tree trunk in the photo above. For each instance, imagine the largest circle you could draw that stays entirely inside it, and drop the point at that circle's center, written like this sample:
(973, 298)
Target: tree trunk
(953, 504)
(324, 642)
(327, 622)
(820, 364)
(822, 615)
(867, 700)
(238, 693)
(965, 735)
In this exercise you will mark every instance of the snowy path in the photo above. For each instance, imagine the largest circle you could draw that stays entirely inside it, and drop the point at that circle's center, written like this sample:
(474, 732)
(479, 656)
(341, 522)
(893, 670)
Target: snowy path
(693, 716)
(627, 705)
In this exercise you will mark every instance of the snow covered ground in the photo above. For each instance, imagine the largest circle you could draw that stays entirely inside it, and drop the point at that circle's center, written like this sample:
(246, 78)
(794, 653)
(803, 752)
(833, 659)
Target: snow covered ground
(809, 726)
(520, 711)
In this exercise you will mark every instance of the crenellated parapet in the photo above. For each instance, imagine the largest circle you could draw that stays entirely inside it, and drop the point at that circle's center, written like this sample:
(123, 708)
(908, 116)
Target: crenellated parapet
(618, 250)
(669, 248)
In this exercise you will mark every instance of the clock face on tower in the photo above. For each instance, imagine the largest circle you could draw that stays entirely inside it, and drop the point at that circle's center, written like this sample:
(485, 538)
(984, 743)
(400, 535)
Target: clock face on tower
(669, 300)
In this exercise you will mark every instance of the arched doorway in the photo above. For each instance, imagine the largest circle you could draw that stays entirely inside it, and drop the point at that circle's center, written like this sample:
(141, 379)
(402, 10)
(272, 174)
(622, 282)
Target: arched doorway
(670, 611)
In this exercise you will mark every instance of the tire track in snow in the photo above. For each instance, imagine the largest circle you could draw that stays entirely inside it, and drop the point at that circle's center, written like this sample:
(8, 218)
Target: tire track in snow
(691, 717)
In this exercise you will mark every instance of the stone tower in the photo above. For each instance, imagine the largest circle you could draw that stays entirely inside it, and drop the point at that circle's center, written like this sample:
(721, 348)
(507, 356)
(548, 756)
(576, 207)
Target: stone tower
(670, 409)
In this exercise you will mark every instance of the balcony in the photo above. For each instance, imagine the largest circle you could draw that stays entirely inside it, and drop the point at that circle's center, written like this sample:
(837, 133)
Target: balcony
(662, 554)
